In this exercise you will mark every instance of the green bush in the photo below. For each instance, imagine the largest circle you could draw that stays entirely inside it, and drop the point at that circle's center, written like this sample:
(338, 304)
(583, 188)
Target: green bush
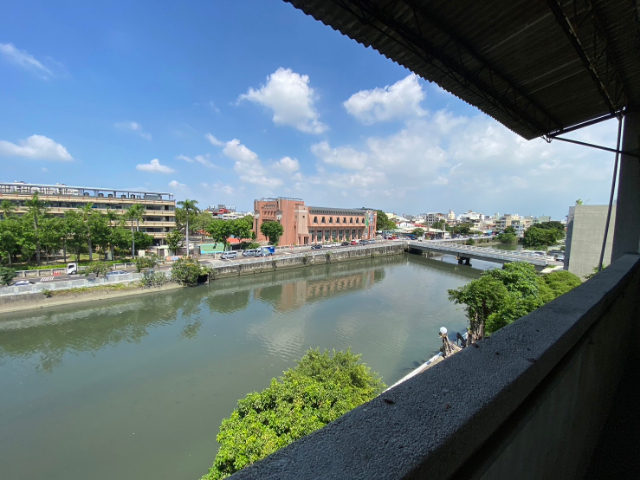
(507, 238)
(186, 271)
(6, 275)
(471, 241)
(320, 389)
(99, 268)
(153, 279)
(148, 261)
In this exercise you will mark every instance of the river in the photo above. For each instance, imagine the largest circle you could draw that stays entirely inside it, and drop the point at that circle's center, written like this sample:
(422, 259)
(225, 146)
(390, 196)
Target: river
(136, 388)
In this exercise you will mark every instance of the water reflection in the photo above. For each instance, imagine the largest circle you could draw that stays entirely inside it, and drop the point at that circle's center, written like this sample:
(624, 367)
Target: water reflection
(47, 336)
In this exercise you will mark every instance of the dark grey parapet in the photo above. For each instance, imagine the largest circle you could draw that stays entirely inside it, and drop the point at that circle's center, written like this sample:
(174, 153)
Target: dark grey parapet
(527, 403)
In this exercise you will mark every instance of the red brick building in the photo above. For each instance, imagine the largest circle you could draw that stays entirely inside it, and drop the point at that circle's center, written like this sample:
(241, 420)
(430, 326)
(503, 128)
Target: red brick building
(305, 225)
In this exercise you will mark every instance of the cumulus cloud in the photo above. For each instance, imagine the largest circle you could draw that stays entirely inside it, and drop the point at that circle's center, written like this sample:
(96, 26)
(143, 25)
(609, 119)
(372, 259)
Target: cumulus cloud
(201, 159)
(393, 102)
(154, 166)
(248, 166)
(177, 185)
(134, 127)
(45, 69)
(213, 140)
(37, 147)
(345, 157)
(288, 95)
(287, 164)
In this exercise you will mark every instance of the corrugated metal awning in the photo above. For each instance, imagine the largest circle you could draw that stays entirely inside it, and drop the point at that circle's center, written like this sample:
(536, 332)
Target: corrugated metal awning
(538, 67)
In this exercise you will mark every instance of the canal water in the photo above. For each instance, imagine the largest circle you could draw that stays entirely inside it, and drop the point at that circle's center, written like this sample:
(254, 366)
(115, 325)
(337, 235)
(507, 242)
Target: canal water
(136, 388)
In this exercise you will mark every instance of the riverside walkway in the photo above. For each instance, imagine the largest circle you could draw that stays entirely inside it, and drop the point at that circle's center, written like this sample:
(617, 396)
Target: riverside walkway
(464, 253)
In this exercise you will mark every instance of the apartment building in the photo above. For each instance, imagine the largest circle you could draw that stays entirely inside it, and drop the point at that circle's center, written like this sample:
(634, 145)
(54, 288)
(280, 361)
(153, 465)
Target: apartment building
(305, 225)
(158, 218)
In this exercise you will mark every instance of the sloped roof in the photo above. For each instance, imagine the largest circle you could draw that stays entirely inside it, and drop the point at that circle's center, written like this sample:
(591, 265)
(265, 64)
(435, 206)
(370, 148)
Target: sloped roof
(536, 67)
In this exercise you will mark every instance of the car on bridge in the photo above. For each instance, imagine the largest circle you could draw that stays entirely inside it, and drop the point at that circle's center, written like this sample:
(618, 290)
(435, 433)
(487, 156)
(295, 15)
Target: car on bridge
(317, 246)
(228, 255)
(116, 273)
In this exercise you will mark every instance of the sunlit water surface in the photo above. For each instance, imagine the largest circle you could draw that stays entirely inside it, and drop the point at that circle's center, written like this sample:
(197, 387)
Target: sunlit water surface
(136, 388)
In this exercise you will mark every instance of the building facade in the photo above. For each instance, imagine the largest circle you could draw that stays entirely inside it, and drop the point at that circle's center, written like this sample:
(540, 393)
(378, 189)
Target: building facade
(306, 225)
(158, 219)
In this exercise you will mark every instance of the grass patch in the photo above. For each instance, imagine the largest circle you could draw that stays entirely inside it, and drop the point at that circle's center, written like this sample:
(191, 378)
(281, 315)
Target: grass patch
(101, 288)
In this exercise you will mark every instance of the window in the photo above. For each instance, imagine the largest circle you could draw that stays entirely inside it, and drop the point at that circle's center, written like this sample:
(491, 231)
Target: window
(330, 219)
(315, 219)
(344, 220)
(357, 220)
(323, 221)
(351, 220)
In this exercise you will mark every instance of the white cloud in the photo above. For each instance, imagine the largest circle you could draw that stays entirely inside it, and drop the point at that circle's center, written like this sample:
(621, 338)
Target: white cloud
(287, 164)
(288, 95)
(248, 166)
(154, 166)
(177, 185)
(37, 147)
(201, 159)
(345, 157)
(398, 101)
(46, 69)
(134, 127)
(214, 141)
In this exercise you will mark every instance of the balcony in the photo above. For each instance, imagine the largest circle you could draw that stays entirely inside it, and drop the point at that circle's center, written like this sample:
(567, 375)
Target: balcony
(528, 403)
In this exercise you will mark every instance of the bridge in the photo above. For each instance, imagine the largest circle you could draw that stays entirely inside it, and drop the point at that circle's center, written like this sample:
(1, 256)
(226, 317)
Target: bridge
(464, 253)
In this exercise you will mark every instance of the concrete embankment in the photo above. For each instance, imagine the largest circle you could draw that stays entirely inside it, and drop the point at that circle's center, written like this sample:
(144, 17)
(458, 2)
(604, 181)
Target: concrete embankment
(35, 301)
(313, 257)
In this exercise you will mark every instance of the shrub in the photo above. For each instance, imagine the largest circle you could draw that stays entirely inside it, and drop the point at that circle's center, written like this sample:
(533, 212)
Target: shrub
(320, 389)
(186, 271)
(153, 279)
(148, 261)
(6, 275)
(99, 268)
(471, 241)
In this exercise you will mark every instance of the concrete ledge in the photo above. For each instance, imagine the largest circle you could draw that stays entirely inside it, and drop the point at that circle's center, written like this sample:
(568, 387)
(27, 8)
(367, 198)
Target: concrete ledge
(527, 403)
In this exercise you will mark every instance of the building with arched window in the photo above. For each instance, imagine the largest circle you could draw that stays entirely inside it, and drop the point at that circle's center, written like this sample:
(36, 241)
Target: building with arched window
(305, 225)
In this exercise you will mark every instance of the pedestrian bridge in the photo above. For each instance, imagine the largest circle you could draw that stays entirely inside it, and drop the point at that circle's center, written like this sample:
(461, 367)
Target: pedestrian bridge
(464, 253)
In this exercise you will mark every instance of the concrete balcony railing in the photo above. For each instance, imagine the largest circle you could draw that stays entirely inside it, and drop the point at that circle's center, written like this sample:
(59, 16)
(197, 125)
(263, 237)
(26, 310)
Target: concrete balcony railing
(528, 402)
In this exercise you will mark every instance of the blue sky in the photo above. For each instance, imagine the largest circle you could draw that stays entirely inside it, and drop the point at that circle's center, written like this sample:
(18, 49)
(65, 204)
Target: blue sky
(227, 101)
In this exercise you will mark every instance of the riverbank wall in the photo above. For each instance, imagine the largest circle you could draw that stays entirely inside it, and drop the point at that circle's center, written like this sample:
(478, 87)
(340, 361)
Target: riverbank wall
(305, 259)
(35, 301)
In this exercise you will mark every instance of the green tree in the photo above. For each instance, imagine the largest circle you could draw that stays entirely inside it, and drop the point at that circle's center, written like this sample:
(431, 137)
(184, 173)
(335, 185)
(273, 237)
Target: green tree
(51, 235)
(510, 229)
(76, 232)
(220, 231)
(439, 225)
(7, 207)
(186, 271)
(174, 237)
(501, 296)
(142, 240)
(134, 214)
(273, 231)
(188, 207)
(10, 235)
(418, 232)
(6, 275)
(241, 229)
(37, 209)
(85, 214)
(470, 241)
(319, 390)
(383, 222)
(539, 237)
(99, 268)
(507, 238)
(462, 229)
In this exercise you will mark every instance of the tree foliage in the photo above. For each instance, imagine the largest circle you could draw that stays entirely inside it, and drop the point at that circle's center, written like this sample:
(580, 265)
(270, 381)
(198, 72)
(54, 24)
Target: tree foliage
(6, 275)
(439, 225)
(320, 389)
(186, 271)
(539, 237)
(273, 231)
(383, 222)
(507, 238)
(501, 296)
(418, 232)
(174, 237)
(510, 229)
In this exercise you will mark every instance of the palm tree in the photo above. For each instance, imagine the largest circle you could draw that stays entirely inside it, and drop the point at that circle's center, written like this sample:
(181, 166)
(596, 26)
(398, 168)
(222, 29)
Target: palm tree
(188, 207)
(85, 212)
(7, 207)
(134, 212)
(111, 216)
(37, 209)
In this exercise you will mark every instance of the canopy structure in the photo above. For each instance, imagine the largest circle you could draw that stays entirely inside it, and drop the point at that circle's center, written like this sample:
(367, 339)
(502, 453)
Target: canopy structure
(537, 67)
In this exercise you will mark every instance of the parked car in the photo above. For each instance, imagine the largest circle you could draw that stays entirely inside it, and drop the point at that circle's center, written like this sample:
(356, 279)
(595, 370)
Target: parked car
(354, 242)
(249, 253)
(317, 246)
(22, 283)
(371, 241)
(116, 273)
(228, 255)
(345, 244)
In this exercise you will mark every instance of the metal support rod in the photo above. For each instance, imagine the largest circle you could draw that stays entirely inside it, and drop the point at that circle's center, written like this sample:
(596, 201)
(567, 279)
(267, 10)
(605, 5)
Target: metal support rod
(613, 188)
(600, 147)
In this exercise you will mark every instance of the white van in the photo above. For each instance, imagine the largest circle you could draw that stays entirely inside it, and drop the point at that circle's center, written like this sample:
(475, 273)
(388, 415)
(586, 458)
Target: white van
(229, 255)
(72, 268)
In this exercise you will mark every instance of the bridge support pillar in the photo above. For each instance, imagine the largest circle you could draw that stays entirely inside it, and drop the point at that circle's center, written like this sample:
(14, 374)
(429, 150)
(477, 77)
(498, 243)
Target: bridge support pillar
(464, 261)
